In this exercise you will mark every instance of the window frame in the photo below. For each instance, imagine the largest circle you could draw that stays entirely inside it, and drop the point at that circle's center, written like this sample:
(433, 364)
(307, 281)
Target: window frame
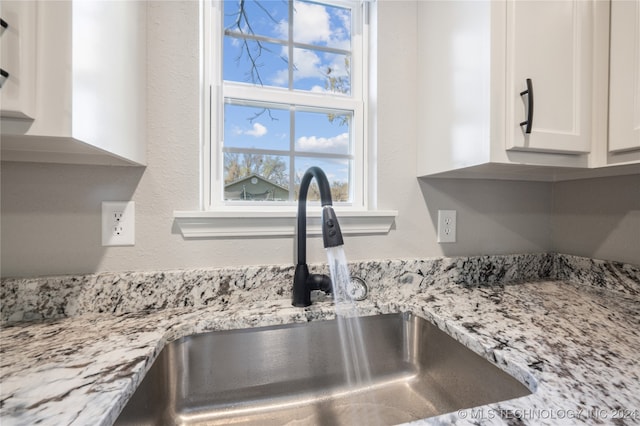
(213, 114)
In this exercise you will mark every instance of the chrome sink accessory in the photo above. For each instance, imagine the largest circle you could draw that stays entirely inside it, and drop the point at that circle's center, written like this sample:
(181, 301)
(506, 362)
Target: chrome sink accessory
(357, 289)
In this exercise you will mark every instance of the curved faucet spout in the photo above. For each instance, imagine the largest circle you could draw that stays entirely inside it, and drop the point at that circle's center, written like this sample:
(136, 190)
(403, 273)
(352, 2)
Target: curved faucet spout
(303, 282)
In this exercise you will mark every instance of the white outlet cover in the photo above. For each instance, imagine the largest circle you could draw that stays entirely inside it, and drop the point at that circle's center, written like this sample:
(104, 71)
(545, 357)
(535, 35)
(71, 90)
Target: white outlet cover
(446, 226)
(127, 235)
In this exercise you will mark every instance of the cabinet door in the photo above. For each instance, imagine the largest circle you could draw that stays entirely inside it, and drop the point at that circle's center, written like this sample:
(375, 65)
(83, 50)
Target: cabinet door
(551, 43)
(17, 44)
(624, 96)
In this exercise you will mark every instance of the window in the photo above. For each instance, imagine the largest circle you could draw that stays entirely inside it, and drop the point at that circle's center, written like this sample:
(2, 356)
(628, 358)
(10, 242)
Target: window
(288, 85)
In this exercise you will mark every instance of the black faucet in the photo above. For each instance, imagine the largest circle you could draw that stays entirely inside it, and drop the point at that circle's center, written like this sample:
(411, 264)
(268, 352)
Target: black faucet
(303, 281)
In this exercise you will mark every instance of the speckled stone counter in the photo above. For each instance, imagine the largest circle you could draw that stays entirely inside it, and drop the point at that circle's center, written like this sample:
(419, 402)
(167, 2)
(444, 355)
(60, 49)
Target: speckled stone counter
(574, 345)
(30, 299)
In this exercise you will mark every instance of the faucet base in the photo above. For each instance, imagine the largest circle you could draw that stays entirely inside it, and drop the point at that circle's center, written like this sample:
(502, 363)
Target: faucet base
(301, 295)
(304, 282)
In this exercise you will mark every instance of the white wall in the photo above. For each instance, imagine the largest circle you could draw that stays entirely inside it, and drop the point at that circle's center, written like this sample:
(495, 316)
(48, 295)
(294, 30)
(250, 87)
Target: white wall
(51, 213)
(598, 218)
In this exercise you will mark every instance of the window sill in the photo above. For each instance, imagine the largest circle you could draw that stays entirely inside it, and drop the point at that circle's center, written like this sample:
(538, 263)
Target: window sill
(221, 224)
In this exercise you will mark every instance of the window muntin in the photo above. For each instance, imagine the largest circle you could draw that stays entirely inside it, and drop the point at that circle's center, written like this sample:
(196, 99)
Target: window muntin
(289, 115)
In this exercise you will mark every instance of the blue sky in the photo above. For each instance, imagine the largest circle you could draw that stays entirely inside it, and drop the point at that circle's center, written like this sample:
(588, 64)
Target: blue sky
(253, 127)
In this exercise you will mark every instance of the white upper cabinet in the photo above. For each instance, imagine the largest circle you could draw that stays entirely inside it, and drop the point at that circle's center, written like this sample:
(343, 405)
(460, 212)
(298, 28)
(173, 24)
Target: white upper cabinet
(89, 86)
(624, 97)
(17, 47)
(550, 43)
(474, 60)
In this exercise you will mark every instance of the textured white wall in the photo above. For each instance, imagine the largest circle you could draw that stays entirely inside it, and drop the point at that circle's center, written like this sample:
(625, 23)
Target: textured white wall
(598, 218)
(51, 213)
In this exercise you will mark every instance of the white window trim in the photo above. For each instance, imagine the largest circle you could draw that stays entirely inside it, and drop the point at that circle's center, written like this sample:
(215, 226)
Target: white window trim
(219, 220)
(212, 224)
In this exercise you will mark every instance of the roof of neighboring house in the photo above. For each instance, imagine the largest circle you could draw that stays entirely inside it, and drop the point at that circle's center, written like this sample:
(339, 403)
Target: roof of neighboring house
(253, 175)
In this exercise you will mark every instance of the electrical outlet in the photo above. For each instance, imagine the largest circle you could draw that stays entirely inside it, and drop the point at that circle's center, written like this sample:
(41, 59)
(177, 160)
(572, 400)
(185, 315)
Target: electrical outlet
(446, 226)
(118, 223)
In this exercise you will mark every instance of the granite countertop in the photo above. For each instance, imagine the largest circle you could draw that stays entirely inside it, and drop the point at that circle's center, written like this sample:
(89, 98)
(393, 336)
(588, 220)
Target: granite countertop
(575, 346)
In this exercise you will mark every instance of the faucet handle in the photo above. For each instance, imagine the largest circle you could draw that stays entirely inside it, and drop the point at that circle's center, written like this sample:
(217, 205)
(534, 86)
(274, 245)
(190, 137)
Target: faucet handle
(320, 282)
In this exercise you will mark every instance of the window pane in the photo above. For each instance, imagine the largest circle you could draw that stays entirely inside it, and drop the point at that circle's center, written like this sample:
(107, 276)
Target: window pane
(321, 25)
(338, 74)
(257, 127)
(337, 171)
(258, 17)
(255, 62)
(318, 71)
(326, 132)
(256, 177)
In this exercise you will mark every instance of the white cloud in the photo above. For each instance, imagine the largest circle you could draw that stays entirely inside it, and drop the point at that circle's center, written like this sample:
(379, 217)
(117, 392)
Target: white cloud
(344, 17)
(280, 78)
(312, 25)
(314, 143)
(307, 65)
(257, 130)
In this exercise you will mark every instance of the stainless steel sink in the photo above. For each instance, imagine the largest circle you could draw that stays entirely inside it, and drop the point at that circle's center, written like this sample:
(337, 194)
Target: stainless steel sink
(295, 374)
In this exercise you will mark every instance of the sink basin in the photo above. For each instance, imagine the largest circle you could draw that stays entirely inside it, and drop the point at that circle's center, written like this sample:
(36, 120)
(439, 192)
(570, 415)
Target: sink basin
(294, 374)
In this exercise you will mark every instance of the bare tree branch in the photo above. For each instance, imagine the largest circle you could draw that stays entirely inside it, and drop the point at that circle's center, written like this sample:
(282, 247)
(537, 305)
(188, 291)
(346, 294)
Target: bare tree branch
(260, 113)
(243, 25)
